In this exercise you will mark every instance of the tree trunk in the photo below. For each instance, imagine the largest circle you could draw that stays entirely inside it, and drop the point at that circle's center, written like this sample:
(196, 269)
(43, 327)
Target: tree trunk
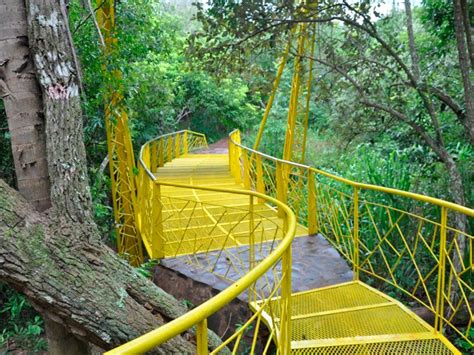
(468, 31)
(23, 106)
(465, 68)
(411, 41)
(58, 78)
(81, 285)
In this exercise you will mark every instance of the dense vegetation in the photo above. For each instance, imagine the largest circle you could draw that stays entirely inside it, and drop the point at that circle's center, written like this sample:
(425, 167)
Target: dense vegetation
(210, 69)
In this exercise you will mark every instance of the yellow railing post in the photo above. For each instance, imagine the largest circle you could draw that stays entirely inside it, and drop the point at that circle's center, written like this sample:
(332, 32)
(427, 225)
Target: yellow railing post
(154, 157)
(185, 143)
(156, 234)
(230, 153)
(285, 318)
(247, 180)
(252, 292)
(282, 187)
(260, 182)
(438, 325)
(162, 152)
(313, 227)
(142, 178)
(170, 148)
(276, 83)
(177, 146)
(237, 168)
(201, 338)
(355, 234)
(146, 156)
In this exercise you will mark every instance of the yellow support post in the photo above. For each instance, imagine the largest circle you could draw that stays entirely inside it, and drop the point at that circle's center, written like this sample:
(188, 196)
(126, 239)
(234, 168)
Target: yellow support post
(170, 148)
(276, 83)
(252, 291)
(156, 234)
(237, 153)
(177, 146)
(285, 318)
(313, 227)
(308, 96)
(282, 187)
(260, 182)
(162, 152)
(247, 173)
(230, 146)
(201, 338)
(438, 324)
(295, 88)
(185, 143)
(154, 156)
(119, 144)
(355, 234)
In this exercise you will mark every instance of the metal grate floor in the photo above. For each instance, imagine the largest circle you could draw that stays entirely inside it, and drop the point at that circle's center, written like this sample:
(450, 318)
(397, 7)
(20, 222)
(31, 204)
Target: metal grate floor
(200, 234)
(348, 318)
(353, 318)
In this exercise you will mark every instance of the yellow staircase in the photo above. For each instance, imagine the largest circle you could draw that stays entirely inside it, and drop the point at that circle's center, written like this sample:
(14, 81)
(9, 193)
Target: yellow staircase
(228, 214)
(354, 318)
(209, 170)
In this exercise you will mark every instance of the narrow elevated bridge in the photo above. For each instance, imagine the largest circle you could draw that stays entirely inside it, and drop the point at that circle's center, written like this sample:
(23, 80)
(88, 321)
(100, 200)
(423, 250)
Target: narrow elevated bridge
(236, 215)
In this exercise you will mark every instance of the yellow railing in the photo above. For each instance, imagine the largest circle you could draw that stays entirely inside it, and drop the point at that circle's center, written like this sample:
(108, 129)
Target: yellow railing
(153, 155)
(243, 245)
(413, 247)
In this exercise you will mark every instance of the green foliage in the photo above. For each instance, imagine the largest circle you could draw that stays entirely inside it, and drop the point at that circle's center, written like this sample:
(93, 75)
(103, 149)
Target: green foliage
(6, 160)
(189, 305)
(463, 344)
(103, 211)
(438, 17)
(22, 327)
(146, 269)
(163, 90)
(216, 107)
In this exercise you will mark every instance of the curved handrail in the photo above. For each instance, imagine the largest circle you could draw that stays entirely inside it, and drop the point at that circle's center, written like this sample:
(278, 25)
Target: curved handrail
(442, 203)
(352, 211)
(374, 233)
(199, 314)
(172, 134)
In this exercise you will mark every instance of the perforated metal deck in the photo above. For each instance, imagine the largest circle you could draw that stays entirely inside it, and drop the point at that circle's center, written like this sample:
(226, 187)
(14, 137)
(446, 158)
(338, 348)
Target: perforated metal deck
(207, 206)
(353, 318)
(349, 318)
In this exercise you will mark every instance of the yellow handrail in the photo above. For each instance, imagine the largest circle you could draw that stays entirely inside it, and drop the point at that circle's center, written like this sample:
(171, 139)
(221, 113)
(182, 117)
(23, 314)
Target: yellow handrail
(198, 316)
(380, 239)
(177, 326)
(375, 237)
(436, 201)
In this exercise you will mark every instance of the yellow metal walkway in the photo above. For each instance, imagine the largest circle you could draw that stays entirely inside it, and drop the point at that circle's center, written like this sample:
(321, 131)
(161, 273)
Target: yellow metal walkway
(228, 214)
(353, 318)
(209, 170)
(348, 318)
(353, 315)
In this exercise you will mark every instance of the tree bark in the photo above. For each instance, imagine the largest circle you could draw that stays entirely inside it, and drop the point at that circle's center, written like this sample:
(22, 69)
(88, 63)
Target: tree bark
(468, 31)
(465, 68)
(58, 78)
(81, 285)
(23, 106)
(84, 291)
(411, 41)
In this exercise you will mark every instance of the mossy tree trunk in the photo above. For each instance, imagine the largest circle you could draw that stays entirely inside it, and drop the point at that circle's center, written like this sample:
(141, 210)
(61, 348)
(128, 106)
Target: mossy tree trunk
(76, 281)
(22, 98)
(84, 291)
